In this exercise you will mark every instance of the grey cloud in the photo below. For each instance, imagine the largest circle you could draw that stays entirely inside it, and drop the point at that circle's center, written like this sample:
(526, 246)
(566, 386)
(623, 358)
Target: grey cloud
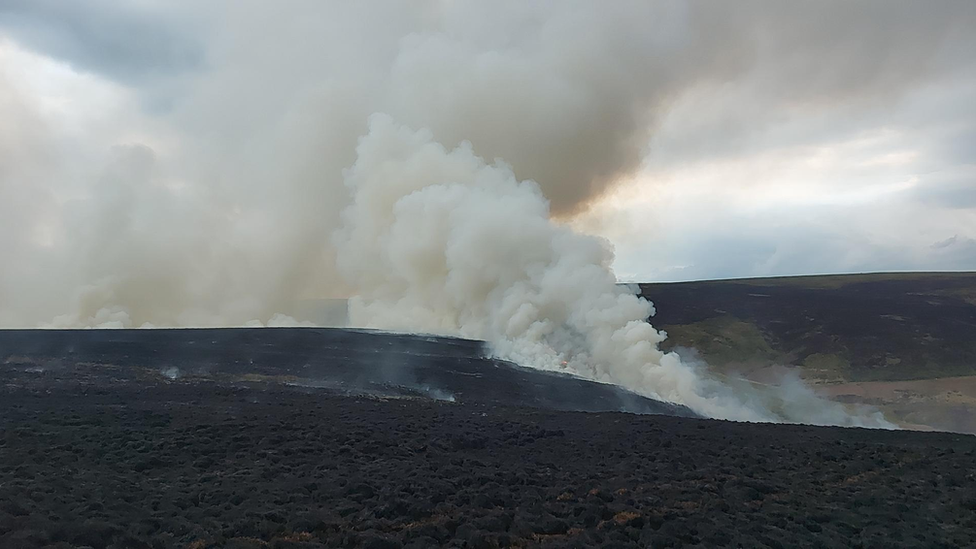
(821, 71)
(797, 250)
(956, 253)
(945, 243)
(721, 257)
(834, 49)
(125, 41)
(960, 145)
(948, 192)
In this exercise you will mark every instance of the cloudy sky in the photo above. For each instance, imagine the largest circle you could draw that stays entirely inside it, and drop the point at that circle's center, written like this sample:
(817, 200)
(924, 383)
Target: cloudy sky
(196, 149)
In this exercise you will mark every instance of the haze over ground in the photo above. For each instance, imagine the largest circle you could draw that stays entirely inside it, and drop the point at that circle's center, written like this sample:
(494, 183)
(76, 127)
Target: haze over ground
(185, 164)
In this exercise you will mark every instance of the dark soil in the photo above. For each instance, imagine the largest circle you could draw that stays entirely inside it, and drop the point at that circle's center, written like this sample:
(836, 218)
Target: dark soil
(105, 456)
(352, 362)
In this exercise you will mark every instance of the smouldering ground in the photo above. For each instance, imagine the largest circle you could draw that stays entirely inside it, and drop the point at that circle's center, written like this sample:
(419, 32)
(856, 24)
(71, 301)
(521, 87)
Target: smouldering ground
(193, 463)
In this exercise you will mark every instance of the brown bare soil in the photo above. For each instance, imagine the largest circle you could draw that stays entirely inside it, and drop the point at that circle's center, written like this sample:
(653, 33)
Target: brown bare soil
(947, 404)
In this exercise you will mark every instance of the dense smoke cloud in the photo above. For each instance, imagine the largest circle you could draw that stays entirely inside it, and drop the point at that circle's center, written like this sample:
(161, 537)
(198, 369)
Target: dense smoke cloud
(182, 163)
(437, 240)
(199, 182)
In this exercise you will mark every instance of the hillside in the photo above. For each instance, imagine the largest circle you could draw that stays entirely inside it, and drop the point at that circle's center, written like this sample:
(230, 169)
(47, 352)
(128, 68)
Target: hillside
(103, 455)
(905, 341)
(348, 362)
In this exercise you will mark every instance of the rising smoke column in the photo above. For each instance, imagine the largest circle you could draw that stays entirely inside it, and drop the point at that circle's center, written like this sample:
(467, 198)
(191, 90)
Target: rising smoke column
(440, 241)
(213, 209)
(204, 194)
(188, 174)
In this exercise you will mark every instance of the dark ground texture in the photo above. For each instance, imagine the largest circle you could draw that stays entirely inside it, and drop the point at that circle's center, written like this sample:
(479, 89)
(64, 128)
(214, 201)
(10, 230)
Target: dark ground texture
(873, 327)
(102, 461)
(351, 362)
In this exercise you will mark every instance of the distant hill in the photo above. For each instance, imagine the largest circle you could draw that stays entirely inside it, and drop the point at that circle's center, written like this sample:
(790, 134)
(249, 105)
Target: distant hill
(841, 331)
(874, 327)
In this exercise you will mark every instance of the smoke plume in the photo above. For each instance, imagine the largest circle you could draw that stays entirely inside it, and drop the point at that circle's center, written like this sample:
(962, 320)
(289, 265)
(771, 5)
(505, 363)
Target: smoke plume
(198, 179)
(438, 240)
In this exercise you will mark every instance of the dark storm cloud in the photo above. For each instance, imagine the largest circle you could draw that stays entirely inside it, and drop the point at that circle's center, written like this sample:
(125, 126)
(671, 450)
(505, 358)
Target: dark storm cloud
(125, 41)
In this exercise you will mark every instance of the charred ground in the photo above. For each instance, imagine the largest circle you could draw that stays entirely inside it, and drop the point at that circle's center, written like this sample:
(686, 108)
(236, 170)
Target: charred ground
(350, 362)
(98, 454)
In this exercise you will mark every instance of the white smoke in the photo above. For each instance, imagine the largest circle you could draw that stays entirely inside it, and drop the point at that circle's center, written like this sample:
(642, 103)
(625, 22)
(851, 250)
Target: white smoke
(440, 241)
(217, 211)
(192, 178)
(205, 194)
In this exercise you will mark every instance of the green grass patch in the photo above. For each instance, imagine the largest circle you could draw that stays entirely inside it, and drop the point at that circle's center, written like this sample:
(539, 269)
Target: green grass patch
(722, 340)
(826, 367)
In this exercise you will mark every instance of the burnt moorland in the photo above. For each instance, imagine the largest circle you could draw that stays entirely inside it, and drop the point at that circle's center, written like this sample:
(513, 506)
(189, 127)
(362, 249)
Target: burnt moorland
(111, 447)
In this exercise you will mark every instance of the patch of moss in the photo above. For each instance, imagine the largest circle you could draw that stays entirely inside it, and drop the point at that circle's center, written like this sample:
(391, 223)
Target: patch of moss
(826, 367)
(261, 378)
(722, 340)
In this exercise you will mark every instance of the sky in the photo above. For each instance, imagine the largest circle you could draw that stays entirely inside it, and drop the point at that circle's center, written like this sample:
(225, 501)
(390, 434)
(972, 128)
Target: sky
(191, 151)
